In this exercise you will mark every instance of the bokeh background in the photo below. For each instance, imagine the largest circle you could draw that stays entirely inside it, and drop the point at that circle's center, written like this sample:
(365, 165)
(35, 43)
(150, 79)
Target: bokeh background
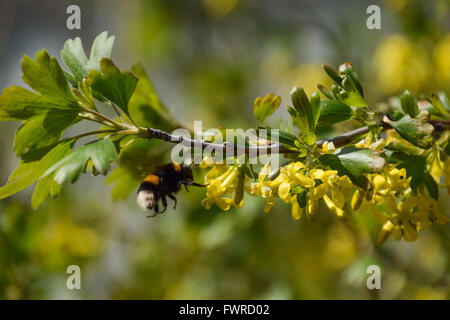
(209, 59)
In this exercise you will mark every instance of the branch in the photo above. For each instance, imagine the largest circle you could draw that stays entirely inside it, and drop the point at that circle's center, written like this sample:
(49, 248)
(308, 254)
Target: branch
(269, 149)
(348, 137)
(338, 141)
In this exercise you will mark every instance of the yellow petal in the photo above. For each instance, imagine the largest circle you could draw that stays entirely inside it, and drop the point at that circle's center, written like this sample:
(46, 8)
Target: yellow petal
(338, 212)
(379, 182)
(304, 180)
(357, 199)
(296, 211)
(311, 209)
(385, 231)
(283, 191)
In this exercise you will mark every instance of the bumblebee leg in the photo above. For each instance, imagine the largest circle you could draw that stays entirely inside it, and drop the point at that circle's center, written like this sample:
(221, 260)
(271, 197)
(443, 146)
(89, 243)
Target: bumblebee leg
(197, 184)
(156, 212)
(164, 203)
(191, 183)
(171, 196)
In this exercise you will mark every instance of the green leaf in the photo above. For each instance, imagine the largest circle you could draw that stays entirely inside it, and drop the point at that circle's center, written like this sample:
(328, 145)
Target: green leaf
(354, 162)
(115, 85)
(351, 95)
(326, 92)
(46, 77)
(75, 59)
(333, 74)
(416, 168)
(264, 107)
(409, 104)
(415, 130)
(432, 186)
(315, 108)
(29, 172)
(43, 130)
(302, 199)
(44, 187)
(333, 111)
(101, 153)
(283, 137)
(144, 106)
(84, 95)
(347, 69)
(18, 103)
(303, 114)
(440, 103)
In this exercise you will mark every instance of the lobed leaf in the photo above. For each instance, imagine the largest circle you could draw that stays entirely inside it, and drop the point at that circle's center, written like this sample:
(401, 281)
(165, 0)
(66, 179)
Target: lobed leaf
(115, 85)
(75, 59)
(29, 172)
(144, 106)
(264, 107)
(101, 153)
(43, 130)
(47, 78)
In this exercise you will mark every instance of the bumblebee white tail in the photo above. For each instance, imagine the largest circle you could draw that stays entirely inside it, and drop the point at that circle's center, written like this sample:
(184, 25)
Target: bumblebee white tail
(146, 199)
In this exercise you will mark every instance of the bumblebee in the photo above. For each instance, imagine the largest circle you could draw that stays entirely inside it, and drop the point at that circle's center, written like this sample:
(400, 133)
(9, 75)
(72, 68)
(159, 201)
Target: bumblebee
(164, 182)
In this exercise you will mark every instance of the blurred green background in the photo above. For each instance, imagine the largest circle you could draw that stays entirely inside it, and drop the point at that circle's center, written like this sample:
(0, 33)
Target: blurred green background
(209, 59)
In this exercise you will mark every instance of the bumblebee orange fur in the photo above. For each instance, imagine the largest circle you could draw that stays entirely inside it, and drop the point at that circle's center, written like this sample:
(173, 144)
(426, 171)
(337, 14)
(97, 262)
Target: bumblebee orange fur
(176, 167)
(153, 179)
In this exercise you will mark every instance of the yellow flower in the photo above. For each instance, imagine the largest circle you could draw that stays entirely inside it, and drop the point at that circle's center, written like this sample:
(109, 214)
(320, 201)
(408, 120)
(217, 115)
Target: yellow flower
(328, 146)
(296, 211)
(397, 179)
(222, 182)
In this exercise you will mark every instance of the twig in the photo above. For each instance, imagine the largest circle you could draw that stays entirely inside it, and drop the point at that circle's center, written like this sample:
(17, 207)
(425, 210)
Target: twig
(162, 135)
(338, 141)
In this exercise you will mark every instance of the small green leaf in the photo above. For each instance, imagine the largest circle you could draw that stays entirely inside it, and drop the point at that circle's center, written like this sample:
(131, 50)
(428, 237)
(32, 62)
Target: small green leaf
(43, 188)
(264, 107)
(333, 74)
(354, 162)
(315, 108)
(351, 97)
(303, 114)
(144, 106)
(326, 92)
(101, 153)
(409, 104)
(75, 59)
(440, 103)
(283, 137)
(333, 111)
(43, 130)
(302, 199)
(415, 130)
(27, 173)
(84, 95)
(416, 168)
(347, 69)
(432, 186)
(115, 85)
